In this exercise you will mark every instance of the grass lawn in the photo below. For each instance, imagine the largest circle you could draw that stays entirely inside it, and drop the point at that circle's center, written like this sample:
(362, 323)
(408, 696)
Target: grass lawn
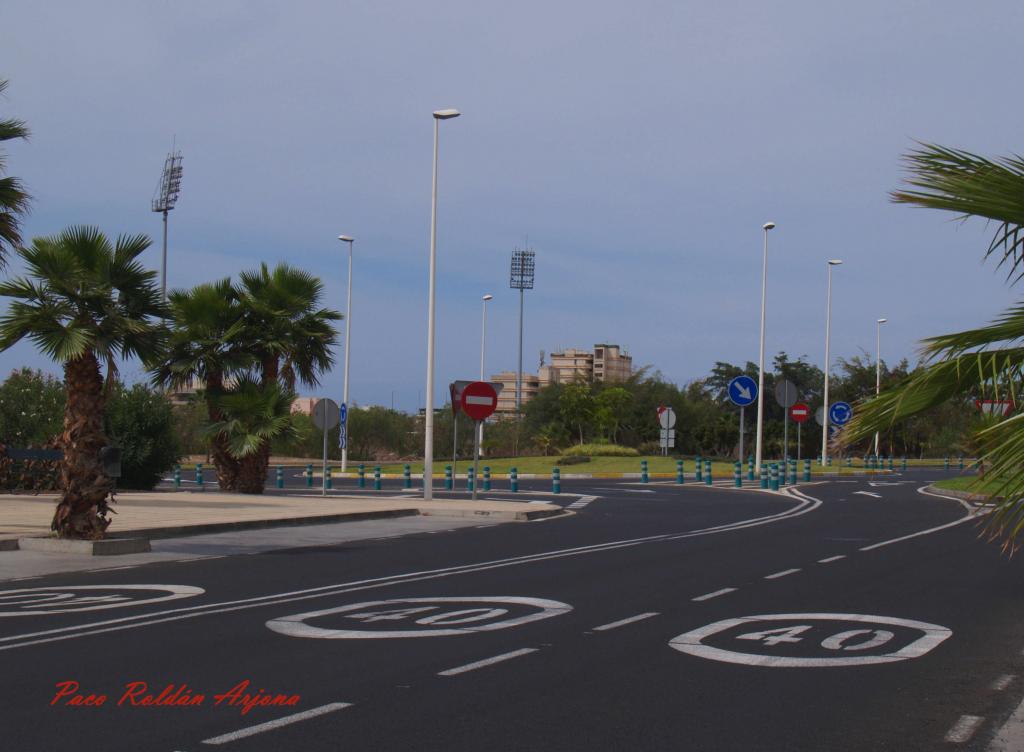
(969, 483)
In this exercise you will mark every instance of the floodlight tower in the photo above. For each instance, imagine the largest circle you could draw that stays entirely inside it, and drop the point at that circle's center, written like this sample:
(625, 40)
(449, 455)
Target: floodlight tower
(522, 280)
(167, 192)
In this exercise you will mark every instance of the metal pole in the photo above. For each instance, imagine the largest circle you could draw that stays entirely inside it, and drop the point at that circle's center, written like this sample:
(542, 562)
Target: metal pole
(828, 334)
(428, 418)
(163, 265)
(323, 491)
(348, 339)
(742, 410)
(760, 357)
(785, 433)
(798, 440)
(476, 461)
(483, 345)
(878, 367)
(455, 446)
(519, 373)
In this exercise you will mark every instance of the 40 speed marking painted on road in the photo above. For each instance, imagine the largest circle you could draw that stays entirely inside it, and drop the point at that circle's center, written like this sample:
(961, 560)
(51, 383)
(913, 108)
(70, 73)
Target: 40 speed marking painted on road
(42, 601)
(423, 617)
(782, 638)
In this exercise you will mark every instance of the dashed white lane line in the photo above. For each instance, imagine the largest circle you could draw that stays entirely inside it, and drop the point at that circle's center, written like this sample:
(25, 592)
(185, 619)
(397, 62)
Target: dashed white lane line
(1003, 682)
(830, 559)
(582, 502)
(624, 622)
(783, 573)
(288, 719)
(964, 729)
(486, 662)
(709, 596)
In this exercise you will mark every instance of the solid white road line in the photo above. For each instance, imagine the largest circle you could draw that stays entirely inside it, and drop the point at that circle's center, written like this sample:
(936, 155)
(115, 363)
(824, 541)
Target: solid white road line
(964, 729)
(624, 622)
(830, 559)
(1003, 682)
(966, 518)
(486, 662)
(288, 719)
(709, 596)
(783, 573)
(867, 493)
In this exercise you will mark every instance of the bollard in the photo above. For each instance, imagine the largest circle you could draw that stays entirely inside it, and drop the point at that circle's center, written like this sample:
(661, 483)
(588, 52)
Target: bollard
(329, 479)
(764, 475)
(643, 471)
(792, 472)
(890, 463)
(309, 476)
(280, 477)
(679, 471)
(737, 474)
(487, 478)
(177, 477)
(376, 478)
(407, 474)
(849, 461)
(513, 476)
(556, 480)
(697, 474)
(750, 467)
(775, 476)
(828, 462)
(807, 471)
(469, 479)
(903, 464)
(707, 472)
(199, 475)
(961, 462)
(361, 471)
(947, 463)
(782, 471)
(447, 477)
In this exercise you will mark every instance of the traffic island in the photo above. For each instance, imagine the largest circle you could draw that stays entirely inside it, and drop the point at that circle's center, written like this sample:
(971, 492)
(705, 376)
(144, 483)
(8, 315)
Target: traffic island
(105, 547)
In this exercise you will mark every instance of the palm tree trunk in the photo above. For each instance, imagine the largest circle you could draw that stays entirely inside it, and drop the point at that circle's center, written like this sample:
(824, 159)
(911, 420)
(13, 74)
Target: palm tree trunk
(82, 510)
(252, 472)
(226, 465)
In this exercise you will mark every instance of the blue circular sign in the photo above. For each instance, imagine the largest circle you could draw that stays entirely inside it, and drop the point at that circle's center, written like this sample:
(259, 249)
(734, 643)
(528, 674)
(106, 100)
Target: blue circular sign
(840, 413)
(742, 390)
(344, 413)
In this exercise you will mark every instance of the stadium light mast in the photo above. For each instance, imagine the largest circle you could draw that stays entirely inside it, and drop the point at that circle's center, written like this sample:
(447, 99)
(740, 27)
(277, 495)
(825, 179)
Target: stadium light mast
(522, 280)
(167, 192)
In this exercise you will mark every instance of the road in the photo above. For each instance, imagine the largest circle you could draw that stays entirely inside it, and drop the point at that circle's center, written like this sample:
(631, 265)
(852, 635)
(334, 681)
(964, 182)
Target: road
(628, 625)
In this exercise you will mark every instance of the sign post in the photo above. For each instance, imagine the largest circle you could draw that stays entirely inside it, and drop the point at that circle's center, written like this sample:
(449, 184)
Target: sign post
(742, 392)
(785, 395)
(799, 413)
(667, 421)
(326, 415)
(479, 400)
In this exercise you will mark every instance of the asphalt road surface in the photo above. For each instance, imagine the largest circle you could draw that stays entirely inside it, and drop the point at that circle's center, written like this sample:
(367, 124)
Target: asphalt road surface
(852, 614)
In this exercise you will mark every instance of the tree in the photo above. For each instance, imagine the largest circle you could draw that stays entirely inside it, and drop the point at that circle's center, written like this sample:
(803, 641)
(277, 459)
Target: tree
(139, 420)
(85, 302)
(611, 404)
(576, 405)
(976, 363)
(14, 200)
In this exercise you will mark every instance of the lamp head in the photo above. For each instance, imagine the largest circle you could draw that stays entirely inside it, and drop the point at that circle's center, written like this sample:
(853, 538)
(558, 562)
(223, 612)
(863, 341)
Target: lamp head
(882, 321)
(346, 239)
(835, 262)
(488, 296)
(768, 226)
(446, 114)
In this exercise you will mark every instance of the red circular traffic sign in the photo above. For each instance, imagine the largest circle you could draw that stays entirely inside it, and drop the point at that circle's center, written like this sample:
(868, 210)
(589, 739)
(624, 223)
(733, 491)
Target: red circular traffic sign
(799, 412)
(479, 400)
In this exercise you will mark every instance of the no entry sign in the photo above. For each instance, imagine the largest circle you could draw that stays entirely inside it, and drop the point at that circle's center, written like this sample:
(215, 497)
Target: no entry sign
(479, 400)
(799, 412)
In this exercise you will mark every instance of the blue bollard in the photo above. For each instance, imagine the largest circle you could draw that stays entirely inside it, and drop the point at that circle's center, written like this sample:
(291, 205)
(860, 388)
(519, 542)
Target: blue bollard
(807, 471)
(309, 476)
(849, 461)
(829, 462)
(376, 478)
(280, 477)
(680, 474)
(199, 476)
(177, 477)
(961, 462)
(697, 474)
(792, 472)
(750, 467)
(737, 474)
(513, 476)
(407, 474)
(643, 471)
(329, 479)
(782, 472)
(556, 480)
(469, 479)
(487, 478)
(890, 463)
(361, 476)
(903, 464)
(707, 472)
(775, 476)
(447, 477)
(764, 475)
(947, 463)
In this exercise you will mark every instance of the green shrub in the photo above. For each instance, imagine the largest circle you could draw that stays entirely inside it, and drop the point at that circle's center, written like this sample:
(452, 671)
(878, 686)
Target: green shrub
(31, 408)
(573, 459)
(601, 450)
(140, 421)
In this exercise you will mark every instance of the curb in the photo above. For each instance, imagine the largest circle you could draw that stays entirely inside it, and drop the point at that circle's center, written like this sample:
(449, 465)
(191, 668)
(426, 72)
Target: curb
(105, 547)
(965, 495)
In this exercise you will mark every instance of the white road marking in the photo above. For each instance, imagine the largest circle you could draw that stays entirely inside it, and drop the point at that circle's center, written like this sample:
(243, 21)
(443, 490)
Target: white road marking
(709, 596)
(783, 573)
(808, 504)
(830, 559)
(867, 493)
(637, 490)
(1003, 682)
(583, 501)
(65, 599)
(624, 622)
(287, 720)
(971, 514)
(486, 662)
(964, 729)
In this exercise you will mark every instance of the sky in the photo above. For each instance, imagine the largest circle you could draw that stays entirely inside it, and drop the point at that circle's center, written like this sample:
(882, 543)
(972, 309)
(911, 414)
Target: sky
(637, 147)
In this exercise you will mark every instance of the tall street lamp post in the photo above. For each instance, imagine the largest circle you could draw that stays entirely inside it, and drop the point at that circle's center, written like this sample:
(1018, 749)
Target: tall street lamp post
(428, 418)
(348, 340)
(878, 366)
(483, 345)
(760, 358)
(828, 365)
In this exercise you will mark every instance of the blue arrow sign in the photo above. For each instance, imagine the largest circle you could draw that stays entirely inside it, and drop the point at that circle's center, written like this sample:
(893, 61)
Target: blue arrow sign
(742, 390)
(344, 413)
(840, 413)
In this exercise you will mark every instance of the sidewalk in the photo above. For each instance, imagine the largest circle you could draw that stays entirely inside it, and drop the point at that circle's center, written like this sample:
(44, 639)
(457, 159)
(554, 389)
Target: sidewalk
(159, 514)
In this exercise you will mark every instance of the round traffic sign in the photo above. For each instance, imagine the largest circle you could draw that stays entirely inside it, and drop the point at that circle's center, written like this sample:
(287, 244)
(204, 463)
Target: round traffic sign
(479, 400)
(799, 412)
(819, 416)
(666, 417)
(785, 393)
(742, 390)
(326, 414)
(840, 413)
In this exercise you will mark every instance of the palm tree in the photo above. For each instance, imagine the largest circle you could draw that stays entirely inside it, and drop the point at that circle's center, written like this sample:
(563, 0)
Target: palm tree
(84, 303)
(14, 200)
(982, 363)
(204, 347)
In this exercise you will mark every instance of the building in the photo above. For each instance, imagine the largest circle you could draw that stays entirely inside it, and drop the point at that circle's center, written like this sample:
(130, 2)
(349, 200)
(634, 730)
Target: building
(611, 364)
(507, 395)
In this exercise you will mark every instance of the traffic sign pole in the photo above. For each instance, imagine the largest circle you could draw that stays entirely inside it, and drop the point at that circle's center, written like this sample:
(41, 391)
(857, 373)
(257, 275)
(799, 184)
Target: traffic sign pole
(742, 411)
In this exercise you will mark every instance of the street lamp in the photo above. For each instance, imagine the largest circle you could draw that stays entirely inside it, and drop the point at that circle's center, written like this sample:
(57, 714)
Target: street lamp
(348, 339)
(483, 340)
(428, 418)
(828, 336)
(878, 366)
(760, 358)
